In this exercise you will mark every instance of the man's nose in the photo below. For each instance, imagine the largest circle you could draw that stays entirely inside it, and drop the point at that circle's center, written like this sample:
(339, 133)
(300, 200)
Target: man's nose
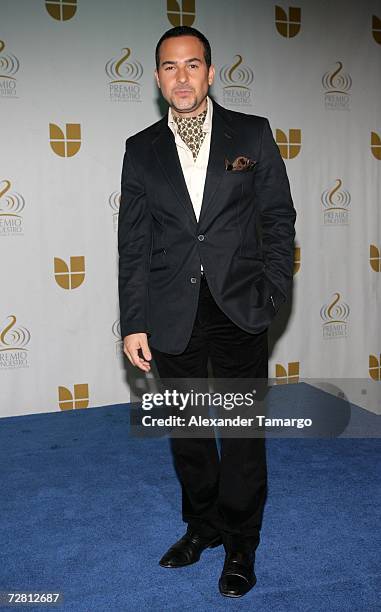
(182, 75)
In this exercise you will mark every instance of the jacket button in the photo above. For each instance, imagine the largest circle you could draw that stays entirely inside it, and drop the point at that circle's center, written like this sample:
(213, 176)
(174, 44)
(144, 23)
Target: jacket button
(193, 280)
(201, 237)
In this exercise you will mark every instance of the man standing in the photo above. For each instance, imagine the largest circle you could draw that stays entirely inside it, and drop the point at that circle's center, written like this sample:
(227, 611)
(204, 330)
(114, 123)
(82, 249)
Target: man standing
(206, 229)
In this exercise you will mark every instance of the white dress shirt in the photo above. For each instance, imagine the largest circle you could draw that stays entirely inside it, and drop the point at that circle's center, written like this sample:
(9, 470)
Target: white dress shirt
(194, 171)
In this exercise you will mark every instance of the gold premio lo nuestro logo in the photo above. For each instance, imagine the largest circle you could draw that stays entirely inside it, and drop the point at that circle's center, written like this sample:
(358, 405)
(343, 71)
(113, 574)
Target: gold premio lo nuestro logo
(11, 205)
(236, 79)
(335, 318)
(336, 202)
(114, 203)
(73, 401)
(69, 276)
(118, 337)
(337, 85)
(288, 25)
(287, 375)
(65, 144)
(181, 13)
(61, 10)
(14, 340)
(9, 66)
(124, 77)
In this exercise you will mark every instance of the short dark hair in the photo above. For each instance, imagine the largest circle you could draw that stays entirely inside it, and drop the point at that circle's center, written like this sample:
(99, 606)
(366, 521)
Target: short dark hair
(185, 31)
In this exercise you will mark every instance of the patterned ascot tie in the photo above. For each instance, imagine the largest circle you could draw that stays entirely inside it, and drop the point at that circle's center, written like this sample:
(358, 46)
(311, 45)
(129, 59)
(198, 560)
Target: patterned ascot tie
(190, 131)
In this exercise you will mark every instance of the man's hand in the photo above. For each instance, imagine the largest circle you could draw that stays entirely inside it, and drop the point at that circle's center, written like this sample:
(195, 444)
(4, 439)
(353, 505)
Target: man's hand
(131, 345)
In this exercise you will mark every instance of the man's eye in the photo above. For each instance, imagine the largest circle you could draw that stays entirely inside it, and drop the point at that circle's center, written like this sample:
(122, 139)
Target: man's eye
(168, 68)
(193, 65)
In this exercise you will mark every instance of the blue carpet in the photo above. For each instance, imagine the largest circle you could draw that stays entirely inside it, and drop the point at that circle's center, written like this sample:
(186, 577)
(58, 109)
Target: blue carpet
(88, 511)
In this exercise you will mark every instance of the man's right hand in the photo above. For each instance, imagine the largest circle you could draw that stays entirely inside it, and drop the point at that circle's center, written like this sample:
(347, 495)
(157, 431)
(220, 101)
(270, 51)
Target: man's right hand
(131, 344)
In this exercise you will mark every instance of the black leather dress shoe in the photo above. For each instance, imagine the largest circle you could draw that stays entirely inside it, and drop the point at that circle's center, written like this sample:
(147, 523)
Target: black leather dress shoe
(238, 575)
(188, 549)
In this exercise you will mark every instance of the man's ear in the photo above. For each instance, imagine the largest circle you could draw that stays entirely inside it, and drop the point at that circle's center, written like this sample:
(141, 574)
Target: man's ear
(211, 74)
(157, 79)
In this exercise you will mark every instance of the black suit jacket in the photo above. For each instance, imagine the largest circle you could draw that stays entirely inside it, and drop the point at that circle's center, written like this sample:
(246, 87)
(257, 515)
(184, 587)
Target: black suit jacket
(244, 236)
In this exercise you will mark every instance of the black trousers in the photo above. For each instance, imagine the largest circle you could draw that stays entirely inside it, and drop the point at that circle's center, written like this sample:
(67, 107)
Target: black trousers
(223, 493)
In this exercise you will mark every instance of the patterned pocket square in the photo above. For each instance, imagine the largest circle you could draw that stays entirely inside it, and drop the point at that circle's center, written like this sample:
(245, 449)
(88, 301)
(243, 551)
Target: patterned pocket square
(240, 164)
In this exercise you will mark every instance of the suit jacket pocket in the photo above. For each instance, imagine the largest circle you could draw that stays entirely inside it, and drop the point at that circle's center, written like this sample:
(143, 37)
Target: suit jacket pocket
(158, 260)
(261, 294)
(255, 254)
(239, 176)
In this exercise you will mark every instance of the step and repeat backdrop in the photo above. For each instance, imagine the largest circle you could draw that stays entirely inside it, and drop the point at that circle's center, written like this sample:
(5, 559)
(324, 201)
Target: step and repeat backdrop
(76, 79)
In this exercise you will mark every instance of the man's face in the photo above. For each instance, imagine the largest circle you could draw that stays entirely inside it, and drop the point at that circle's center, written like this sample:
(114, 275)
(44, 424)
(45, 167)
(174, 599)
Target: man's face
(183, 76)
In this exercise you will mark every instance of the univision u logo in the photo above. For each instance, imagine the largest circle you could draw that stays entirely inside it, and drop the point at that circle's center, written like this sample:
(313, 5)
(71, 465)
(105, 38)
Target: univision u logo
(375, 258)
(69, 277)
(61, 10)
(375, 145)
(376, 28)
(289, 146)
(289, 375)
(70, 401)
(288, 25)
(375, 367)
(182, 13)
(65, 144)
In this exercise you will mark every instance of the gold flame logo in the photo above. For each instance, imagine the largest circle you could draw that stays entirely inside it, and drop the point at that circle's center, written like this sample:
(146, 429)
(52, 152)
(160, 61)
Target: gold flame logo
(376, 29)
(9, 64)
(335, 312)
(181, 13)
(61, 10)
(338, 82)
(288, 25)
(11, 203)
(374, 258)
(237, 75)
(289, 375)
(12, 338)
(336, 198)
(72, 401)
(375, 367)
(69, 277)
(119, 70)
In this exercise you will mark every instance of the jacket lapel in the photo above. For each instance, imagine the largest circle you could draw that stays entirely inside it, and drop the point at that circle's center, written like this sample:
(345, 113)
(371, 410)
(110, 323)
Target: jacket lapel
(168, 158)
(221, 145)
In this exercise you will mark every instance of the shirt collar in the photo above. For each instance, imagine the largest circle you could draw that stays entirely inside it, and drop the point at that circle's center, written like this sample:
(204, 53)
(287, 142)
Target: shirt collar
(207, 125)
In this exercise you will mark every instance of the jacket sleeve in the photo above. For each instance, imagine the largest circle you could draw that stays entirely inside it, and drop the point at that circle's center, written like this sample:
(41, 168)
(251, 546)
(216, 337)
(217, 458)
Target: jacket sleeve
(134, 246)
(277, 218)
